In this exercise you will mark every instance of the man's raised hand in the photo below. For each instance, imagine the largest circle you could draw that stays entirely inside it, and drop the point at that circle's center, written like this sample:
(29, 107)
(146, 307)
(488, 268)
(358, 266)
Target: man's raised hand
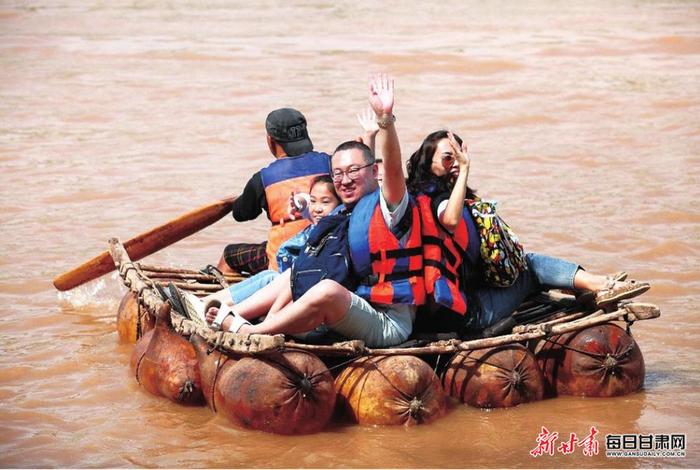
(381, 94)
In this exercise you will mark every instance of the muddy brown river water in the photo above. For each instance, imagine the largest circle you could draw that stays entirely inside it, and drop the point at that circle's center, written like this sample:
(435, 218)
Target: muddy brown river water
(582, 120)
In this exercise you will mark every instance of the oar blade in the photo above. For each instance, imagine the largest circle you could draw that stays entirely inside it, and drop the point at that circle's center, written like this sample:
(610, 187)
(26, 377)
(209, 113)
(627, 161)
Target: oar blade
(147, 243)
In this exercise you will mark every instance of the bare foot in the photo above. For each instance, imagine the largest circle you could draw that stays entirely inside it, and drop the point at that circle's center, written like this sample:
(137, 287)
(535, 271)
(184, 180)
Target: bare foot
(211, 314)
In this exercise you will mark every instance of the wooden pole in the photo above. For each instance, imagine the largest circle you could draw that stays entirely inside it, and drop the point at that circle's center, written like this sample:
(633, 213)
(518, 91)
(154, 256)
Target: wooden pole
(147, 243)
(186, 272)
(628, 312)
(190, 285)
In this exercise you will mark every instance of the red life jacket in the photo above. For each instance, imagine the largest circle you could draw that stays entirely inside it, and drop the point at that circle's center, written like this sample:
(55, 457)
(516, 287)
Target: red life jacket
(390, 273)
(280, 179)
(443, 254)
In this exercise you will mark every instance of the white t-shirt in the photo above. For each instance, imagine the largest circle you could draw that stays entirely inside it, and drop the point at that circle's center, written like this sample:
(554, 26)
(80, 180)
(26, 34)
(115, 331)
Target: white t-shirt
(392, 218)
(442, 207)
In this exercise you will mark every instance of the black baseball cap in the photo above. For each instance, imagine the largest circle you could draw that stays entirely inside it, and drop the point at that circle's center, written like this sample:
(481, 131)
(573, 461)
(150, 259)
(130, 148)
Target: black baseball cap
(287, 127)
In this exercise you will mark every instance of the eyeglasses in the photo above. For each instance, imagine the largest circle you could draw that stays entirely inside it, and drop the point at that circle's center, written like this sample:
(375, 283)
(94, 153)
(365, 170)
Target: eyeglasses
(448, 160)
(353, 173)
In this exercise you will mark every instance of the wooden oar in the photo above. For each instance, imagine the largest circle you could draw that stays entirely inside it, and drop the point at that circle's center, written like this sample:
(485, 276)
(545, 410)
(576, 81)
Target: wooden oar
(147, 243)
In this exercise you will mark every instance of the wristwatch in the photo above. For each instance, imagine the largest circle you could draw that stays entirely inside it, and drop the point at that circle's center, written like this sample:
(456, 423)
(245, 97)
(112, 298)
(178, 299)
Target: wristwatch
(385, 120)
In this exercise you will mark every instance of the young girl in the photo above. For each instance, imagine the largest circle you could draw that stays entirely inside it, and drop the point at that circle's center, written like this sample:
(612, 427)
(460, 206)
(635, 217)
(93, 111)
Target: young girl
(437, 176)
(322, 199)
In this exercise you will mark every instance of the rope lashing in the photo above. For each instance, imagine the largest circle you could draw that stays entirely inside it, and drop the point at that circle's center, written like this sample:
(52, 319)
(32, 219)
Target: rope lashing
(219, 365)
(603, 356)
(329, 369)
(140, 312)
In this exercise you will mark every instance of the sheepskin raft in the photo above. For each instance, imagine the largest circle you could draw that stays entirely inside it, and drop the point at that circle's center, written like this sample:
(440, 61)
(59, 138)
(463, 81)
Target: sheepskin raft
(555, 344)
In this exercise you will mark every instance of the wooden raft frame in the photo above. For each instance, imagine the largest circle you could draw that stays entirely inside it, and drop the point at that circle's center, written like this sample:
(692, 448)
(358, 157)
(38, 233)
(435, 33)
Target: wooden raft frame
(565, 316)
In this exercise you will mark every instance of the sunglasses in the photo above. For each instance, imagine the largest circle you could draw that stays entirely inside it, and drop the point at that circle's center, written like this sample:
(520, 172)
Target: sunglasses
(448, 160)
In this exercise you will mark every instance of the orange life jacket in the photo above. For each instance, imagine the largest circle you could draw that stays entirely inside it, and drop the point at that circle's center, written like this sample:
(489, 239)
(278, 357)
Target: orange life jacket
(280, 179)
(443, 254)
(389, 272)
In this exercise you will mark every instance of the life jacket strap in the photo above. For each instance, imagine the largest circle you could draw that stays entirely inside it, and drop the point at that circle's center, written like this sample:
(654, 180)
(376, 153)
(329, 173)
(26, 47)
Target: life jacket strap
(398, 253)
(430, 240)
(450, 276)
(374, 279)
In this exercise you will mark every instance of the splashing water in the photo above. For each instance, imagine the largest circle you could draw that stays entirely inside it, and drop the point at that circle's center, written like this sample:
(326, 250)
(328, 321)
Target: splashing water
(102, 293)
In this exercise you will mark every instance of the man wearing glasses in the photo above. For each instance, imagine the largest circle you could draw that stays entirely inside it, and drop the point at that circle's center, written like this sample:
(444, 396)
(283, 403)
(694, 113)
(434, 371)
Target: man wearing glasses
(385, 246)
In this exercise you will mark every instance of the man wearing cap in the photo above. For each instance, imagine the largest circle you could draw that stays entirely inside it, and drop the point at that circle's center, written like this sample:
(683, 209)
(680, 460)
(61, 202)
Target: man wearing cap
(295, 165)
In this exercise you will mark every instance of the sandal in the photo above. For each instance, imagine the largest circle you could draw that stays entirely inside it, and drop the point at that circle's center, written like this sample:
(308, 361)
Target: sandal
(212, 270)
(225, 311)
(615, 291)
(164, 295)
(186, 304)
(173, 294)
(237, 323)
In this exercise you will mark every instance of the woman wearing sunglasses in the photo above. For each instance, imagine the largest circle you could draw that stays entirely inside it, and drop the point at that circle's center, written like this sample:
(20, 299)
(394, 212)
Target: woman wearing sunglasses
(460, 298)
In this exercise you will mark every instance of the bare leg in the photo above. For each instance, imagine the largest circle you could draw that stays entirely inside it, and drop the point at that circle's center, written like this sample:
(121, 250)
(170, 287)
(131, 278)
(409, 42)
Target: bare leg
(260, 303)
(327, 302)
(283, 299)
(223, 296)
(583, 280)
(223, 266)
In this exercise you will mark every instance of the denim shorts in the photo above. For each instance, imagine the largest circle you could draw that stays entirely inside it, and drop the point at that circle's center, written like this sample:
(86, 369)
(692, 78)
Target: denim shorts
(247, 287)
(376, 326)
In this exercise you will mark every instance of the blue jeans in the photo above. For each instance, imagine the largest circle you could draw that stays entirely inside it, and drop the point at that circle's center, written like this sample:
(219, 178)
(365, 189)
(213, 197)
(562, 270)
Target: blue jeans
(496, 303)
(244, 289)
